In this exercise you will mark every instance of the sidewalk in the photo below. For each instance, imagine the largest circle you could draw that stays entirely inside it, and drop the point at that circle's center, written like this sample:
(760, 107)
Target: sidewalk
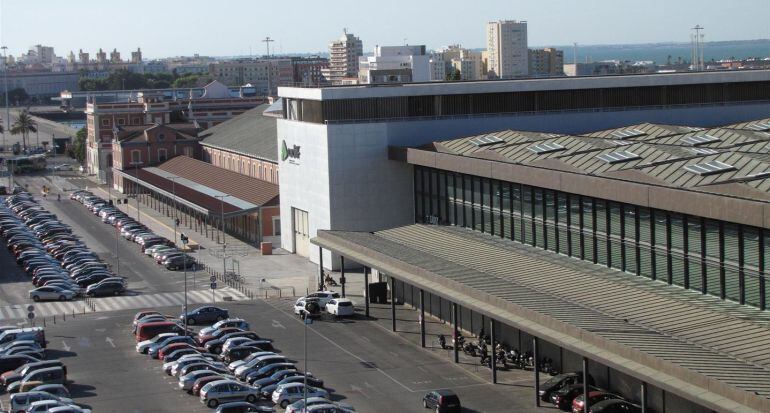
(281, 274)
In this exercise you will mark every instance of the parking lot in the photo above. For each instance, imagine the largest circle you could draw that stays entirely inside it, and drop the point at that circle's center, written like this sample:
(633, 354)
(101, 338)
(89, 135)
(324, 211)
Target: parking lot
(360, 363)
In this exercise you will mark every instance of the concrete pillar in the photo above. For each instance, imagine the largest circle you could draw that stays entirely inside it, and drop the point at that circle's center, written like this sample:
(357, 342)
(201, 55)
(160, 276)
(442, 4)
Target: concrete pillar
(643, 396)
(366, 291)
(422, 318)
(535, 355)
(585, 385)
(342, 274)
(320, 267)
(455, 334)
(492, 352)
(393, 302)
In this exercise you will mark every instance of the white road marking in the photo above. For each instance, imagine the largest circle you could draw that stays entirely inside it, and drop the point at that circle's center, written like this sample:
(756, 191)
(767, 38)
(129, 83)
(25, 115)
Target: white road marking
(277, 324)
(65, 346)
(109, 340)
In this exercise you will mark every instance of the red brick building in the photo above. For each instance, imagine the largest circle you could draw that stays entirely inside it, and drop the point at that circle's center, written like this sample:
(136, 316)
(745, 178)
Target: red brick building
(142, 146)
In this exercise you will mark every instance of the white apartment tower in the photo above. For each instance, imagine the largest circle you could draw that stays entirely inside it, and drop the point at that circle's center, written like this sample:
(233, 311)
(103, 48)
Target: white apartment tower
(507, 49)
(343, 59)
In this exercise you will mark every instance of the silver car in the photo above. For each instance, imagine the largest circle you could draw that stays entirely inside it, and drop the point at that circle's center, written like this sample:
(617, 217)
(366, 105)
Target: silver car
(216, 392)
(186, 382)
(50, 292)
(289, 393)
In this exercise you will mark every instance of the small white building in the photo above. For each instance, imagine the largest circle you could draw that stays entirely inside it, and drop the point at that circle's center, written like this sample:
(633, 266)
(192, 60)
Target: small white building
(408, 60)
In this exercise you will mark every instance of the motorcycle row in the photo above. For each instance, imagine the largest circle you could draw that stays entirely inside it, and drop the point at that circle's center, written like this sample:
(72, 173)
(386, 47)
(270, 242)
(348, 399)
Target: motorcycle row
(504, 356)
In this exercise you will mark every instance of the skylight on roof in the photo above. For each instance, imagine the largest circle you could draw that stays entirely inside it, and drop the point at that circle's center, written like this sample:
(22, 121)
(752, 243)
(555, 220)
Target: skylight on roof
(700, 139)
(760, 126)
(546, 147)
(709, 168)
(626, 133)
(703, 151)
(550, 135)
(485, 140)
(618, 157)
(622, 143)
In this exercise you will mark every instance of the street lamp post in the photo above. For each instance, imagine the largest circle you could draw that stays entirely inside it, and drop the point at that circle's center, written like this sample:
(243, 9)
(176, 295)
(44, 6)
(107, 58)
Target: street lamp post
(224, 243)
(136, 164)
(5, 80)
(173, 192)
(184, 265)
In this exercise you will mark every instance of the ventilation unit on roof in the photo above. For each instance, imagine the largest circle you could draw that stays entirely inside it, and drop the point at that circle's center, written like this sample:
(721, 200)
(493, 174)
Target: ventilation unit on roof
(626, 133)
(618, 157)
(485, 140)
(546, 147)
(701, 139)
(703, 151)
(709, 168)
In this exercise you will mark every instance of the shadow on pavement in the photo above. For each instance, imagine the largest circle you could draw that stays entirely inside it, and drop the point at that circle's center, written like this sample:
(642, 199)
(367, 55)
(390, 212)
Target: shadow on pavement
(52, 354)
(78, 390)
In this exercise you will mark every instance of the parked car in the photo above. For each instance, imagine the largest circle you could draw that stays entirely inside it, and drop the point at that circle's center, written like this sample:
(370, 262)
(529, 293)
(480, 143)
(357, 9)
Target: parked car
(563, 398)
(444, 401)
(105, 288)
(215, 392)
(21, 401)
(593, 398)
(614, 406)
(144, 347)
(49, 292)
(243, 407)
(559, 381)
(230, 322)
(204, 315)
(288, 393)
(340, 307)
(300, 404)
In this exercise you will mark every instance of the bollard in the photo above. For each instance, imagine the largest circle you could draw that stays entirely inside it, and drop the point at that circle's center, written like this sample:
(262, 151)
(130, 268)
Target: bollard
(54, 318)
(43, 322)
(265, 293)
(64, 316)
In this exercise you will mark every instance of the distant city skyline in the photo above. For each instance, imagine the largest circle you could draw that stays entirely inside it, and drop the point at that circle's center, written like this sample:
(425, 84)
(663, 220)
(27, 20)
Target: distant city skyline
(173, 28)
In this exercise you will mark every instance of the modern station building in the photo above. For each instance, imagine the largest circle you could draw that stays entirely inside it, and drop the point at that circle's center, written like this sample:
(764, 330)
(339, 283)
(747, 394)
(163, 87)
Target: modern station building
(637, 252)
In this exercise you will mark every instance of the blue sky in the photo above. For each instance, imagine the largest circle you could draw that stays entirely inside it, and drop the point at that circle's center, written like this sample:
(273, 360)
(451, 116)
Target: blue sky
(231, 27)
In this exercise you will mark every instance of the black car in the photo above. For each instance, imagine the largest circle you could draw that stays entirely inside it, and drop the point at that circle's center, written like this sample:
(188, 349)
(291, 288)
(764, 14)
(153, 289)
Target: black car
(615, 406)
(180, 262)
(107, 288)
(560, 381)
(203, 315)
(443, 401)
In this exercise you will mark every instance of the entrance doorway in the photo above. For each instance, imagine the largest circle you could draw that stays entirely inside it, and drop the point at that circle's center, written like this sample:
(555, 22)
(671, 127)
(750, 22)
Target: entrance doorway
(301, 229)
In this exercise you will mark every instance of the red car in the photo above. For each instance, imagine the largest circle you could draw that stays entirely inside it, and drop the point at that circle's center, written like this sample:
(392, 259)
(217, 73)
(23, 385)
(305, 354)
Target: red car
(171, 348)
(196, 388)
(593, 397)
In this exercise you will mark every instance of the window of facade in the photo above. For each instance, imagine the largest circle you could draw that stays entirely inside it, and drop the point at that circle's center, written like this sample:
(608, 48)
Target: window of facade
(136, 156)
(105, 122)
(162, 155)
(718, 258)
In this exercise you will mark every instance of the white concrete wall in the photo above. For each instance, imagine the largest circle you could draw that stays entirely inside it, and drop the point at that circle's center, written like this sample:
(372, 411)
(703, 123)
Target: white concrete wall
(304, 183)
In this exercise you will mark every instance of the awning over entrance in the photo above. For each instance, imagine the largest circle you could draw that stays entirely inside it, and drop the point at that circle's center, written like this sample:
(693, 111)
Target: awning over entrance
(205, 188)
(711, 353)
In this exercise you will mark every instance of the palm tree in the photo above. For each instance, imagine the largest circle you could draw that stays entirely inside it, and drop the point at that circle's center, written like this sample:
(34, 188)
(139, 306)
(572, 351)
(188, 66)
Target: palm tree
(24, 125)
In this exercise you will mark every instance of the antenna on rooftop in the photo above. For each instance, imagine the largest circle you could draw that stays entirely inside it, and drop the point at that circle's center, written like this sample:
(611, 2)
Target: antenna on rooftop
(267, 40)
(697, 44)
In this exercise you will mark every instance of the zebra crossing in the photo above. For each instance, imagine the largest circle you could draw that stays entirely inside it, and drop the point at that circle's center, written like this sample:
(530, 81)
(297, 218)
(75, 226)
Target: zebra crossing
(124, 302)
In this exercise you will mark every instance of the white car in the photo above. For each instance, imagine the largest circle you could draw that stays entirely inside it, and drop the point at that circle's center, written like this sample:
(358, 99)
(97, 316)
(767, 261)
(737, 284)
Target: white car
(323, 296)
(143, 346)
(289, 393)
(21, 401)
(341, 307)
(156, 248)
(228, 322)
(49, 292)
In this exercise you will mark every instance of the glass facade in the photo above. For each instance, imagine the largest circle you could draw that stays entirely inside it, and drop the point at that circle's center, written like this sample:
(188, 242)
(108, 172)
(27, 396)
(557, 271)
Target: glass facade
(723, 259)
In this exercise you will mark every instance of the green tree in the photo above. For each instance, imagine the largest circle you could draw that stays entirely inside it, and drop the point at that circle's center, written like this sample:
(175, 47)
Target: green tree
(15, 96)
(23, 125)
(186, 81)
(77, 149)
(454, 75)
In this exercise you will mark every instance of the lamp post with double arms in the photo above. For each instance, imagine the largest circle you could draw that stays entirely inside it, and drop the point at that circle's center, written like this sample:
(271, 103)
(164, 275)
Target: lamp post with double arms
(136, 164)
(224, 241)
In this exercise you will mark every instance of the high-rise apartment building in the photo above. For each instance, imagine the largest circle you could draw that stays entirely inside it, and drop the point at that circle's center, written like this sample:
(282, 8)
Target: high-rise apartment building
(136, 57)
(255, 72)
(343, 58)
(546, 62)
(395, 64)
(467, 62)
(507, 48)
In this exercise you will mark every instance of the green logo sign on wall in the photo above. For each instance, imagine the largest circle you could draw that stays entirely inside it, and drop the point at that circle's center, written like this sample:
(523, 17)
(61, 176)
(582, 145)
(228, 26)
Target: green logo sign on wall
(287, 152)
